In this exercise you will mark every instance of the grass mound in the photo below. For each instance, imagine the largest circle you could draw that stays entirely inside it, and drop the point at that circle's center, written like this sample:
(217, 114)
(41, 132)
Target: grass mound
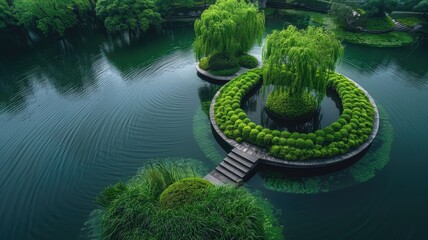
(134, 210)
(222, 65)
(248, 61)
(182, 192)
(285, 106)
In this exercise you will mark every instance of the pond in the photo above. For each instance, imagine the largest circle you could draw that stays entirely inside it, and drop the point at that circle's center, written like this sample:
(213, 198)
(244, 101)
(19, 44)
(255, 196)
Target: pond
(84, 113)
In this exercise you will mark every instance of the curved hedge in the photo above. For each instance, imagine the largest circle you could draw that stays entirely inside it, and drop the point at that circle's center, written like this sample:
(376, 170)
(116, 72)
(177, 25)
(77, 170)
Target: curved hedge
(353, 127)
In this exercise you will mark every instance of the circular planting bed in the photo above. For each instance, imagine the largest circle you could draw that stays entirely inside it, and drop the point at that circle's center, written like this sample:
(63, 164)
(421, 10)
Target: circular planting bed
(355, 129)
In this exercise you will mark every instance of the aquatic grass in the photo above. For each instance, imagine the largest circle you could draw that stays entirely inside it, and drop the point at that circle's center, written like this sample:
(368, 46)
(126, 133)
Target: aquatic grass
(203, 135)
(215, 212)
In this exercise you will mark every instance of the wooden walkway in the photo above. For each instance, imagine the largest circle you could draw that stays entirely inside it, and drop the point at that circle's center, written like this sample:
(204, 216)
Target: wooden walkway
(234, 169)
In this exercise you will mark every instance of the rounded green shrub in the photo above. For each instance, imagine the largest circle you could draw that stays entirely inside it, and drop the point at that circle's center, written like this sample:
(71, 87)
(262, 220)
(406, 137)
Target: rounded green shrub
(291, 107)
(182, 192)
(221, 62)
(203, 64)
(248, 61)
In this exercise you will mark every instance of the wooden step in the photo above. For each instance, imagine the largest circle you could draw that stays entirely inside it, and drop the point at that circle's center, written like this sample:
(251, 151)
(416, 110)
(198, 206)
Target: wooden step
(232, 176)
(233, 169)
(237, 164)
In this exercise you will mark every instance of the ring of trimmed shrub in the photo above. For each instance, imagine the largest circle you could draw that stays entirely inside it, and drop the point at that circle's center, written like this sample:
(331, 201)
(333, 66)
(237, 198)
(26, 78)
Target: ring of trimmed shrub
(353, 127)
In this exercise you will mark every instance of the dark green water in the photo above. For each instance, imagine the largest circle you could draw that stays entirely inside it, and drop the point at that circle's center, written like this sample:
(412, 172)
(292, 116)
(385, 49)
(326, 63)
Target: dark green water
(79, 115)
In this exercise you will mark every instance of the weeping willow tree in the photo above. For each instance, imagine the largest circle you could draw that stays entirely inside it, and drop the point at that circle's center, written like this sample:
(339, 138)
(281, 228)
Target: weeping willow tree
(229, 27)
(298, 62)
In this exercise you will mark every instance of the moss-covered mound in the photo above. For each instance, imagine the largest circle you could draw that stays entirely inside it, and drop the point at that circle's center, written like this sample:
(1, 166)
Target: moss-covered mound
(182, 192)
(222, 65)
(285, 106)
(351, 130)
(248, 61)
(134, 210)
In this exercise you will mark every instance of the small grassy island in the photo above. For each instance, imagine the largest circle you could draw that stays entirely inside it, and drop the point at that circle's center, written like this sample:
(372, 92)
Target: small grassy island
(226, 31)
(171, 202)
(368, 24)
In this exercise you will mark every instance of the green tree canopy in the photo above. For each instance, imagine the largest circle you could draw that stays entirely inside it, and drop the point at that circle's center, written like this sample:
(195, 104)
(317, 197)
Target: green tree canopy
(379, 7)
(297, 62)
(422, 6)
(165, 6)
(342, 12)
(131, 15)
(229, 27)
(49, 16)
(6, 16)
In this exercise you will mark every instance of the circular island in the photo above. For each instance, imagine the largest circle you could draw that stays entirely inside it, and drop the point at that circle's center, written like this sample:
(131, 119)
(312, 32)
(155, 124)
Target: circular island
(352, 133)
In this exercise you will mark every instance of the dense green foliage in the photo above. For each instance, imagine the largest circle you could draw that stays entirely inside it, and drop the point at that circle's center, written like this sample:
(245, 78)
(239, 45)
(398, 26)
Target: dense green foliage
(165, 6)
(342, 12)
(289, 107)
(133, 210)
(55, 17)
(131, 15)
(229, 27)
(6, 15)
(422, 6)
(379, 7)
(183, 191)
(222, 61)
(224, 65)
(299, 61)
(352, 128)
(391, 39)
(412, 21)
(49, 16)
(248, 61)
(376, 23)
